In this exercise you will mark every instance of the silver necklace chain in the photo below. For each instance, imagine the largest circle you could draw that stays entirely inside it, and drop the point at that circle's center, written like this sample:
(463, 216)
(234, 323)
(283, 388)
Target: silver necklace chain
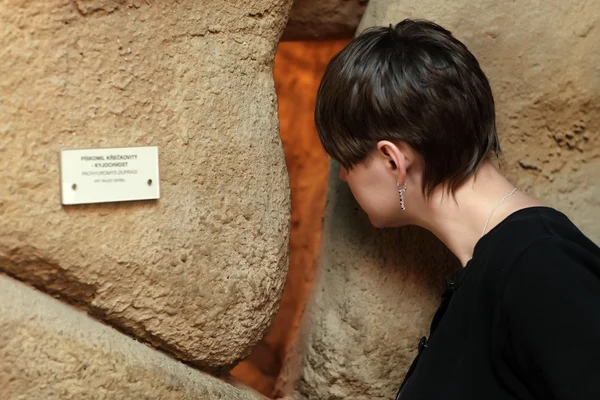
(494, 209)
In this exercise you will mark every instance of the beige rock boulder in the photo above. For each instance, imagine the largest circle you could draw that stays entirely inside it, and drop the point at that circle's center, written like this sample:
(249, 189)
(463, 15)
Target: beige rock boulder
(49, 351)
(376, 293)
(200, 272)
(378, 290)
(324, 19)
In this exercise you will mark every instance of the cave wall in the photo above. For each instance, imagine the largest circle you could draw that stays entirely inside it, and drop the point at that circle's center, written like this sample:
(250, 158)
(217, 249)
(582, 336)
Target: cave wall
(49, 350)
(197, 274)
(299, 66)
(324, 19)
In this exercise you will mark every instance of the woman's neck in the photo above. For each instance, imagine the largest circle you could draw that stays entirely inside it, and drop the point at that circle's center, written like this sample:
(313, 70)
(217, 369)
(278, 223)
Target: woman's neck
(458, 220)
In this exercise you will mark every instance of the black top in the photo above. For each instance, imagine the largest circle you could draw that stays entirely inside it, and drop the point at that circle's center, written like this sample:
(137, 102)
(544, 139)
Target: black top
(520, 321)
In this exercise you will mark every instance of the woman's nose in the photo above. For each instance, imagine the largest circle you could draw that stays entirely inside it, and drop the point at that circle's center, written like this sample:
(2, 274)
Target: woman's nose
(343, 174)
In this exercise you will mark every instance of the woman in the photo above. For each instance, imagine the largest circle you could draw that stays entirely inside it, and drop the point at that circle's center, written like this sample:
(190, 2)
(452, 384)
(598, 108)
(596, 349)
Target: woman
(409, 115)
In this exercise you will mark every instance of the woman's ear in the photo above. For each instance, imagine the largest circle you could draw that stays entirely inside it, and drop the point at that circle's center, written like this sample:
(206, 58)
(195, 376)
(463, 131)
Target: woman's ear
(396, 158)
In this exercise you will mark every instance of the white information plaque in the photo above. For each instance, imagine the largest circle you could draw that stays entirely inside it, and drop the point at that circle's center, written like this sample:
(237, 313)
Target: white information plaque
(105, 175)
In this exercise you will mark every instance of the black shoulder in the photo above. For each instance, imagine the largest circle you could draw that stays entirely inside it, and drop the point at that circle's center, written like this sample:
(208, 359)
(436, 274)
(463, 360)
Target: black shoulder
(550, 267)
(551, 306)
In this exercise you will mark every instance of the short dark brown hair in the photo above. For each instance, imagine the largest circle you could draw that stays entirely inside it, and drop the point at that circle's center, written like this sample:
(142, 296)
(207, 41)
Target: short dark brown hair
(413, 82)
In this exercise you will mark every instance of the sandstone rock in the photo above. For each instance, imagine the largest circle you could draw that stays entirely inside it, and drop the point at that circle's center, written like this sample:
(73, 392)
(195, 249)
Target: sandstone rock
(200, 272)
(297, 73)
(378, 289)
(324, 19)
(50, 351)
(376, 293)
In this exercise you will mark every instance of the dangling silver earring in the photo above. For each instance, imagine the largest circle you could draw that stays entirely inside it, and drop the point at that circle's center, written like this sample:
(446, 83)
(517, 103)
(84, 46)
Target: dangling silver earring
(401, 191)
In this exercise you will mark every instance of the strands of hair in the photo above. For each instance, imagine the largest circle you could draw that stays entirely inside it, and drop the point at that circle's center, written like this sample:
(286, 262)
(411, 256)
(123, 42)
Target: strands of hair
(413, 82)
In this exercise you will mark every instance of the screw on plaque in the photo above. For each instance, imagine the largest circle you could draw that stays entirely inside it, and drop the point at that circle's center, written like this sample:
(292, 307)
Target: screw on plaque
(149, 182)
(74, 186)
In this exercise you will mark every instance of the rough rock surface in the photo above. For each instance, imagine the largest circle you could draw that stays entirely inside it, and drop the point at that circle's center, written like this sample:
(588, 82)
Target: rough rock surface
(376, 293)
(200, 272)
(378, 289)
(299, 66)
(50, 351)
(324, 19)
